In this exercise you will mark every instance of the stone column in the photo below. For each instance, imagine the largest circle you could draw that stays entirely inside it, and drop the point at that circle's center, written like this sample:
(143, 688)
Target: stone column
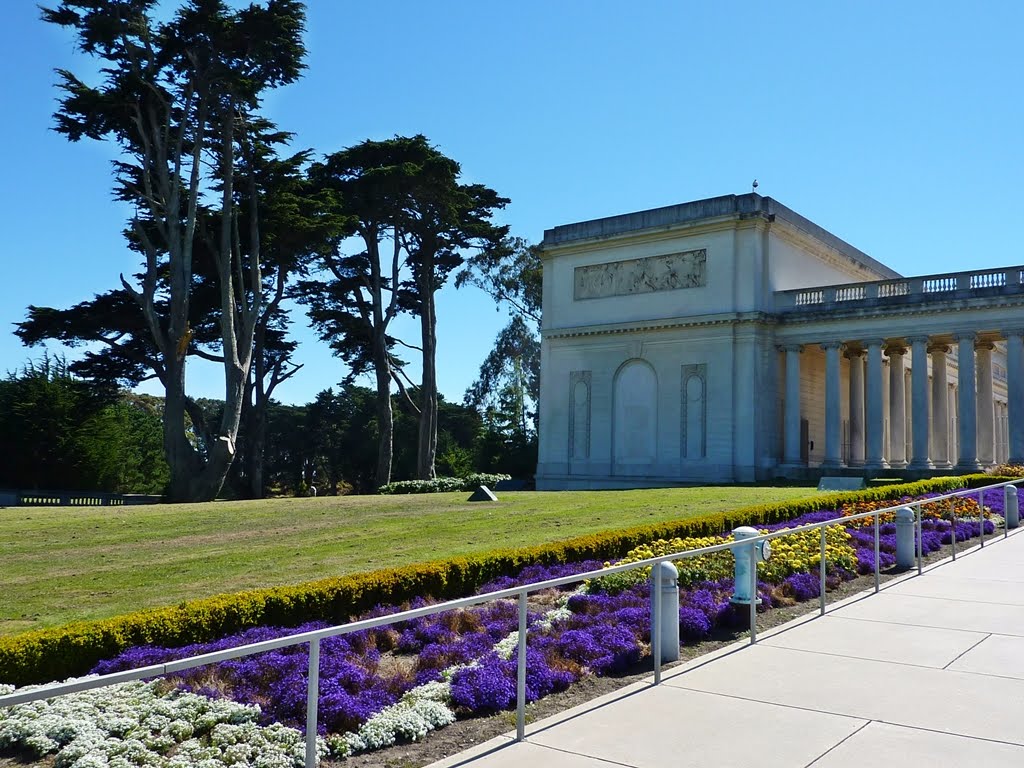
(791, 446)
(985, 404)
(1015, 393)
(874, 419)
(833, 407)
(856, 358)
(885, 409)
(966, 412)
(897, 408)
(919, 402)
(940, 411)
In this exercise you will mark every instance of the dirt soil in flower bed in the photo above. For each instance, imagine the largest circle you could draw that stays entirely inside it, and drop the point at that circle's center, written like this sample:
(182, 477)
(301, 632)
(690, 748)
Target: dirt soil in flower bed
(464, 734)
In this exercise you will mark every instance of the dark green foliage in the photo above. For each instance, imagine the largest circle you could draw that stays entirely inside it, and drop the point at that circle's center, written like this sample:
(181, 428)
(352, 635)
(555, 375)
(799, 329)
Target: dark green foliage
(409, 224)
(61, 433)
(179, 94)
(55, 654)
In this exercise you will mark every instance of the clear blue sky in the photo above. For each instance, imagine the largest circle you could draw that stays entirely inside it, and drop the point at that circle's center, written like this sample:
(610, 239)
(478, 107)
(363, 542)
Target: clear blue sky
(897, 126)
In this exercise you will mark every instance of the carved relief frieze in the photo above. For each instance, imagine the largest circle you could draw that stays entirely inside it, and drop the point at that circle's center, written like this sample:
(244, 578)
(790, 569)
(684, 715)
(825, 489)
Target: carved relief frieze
(670, 272)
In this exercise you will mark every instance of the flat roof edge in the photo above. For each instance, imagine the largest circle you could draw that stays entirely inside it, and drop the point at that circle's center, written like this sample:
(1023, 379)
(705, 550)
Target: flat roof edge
(700, 210)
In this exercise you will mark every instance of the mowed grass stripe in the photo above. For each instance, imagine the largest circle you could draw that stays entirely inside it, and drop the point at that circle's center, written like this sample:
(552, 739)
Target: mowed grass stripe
(63, 564)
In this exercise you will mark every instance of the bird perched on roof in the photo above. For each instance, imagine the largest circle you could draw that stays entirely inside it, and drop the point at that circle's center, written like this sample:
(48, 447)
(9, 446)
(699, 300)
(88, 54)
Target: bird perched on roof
(753, 187)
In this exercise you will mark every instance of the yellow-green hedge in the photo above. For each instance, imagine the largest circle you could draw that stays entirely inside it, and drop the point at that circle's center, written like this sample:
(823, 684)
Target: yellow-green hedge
(54, 654)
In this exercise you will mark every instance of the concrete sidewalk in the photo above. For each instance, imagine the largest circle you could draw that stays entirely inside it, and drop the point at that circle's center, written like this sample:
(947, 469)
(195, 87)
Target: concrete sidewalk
(928, 672)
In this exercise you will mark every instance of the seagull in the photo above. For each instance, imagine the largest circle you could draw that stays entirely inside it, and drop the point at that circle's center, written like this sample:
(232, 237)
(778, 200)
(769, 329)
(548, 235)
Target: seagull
(753, 187)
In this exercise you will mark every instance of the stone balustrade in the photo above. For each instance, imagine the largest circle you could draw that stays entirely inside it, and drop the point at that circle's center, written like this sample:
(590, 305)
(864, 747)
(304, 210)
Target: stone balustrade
(922, 288)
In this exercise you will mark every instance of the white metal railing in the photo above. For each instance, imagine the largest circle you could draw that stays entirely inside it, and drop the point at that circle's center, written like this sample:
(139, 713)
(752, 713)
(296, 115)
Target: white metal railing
(926, 286)
(314, 637)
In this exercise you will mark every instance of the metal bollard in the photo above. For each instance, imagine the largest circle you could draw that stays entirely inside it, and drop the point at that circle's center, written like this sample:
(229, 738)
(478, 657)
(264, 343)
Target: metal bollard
(667, 609)
(743, 593)
(905, 556)
(1011, 510)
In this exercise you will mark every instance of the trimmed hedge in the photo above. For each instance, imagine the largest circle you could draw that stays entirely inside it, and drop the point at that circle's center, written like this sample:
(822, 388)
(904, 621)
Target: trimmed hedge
(73, 649)
(443, 484)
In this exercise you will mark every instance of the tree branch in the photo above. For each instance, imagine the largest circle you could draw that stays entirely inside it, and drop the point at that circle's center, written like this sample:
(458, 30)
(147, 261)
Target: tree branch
(404, 392)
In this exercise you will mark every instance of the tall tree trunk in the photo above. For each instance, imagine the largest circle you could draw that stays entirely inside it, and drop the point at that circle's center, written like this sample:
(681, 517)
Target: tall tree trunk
(256, 446)
(254, 417)
(181, 457)
(427, 445)
(385, 418)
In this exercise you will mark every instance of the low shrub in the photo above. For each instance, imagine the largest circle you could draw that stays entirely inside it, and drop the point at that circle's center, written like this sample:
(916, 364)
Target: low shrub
(790, 554)
(61, 652)
(443, 484)
(1008, 470)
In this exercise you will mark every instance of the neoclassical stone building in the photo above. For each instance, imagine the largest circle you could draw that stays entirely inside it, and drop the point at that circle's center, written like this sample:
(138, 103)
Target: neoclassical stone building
(733, 340)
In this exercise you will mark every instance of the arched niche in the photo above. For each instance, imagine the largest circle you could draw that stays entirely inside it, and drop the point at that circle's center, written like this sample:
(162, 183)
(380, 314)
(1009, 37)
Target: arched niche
(635, 414)
(579, 415)
(693, 413)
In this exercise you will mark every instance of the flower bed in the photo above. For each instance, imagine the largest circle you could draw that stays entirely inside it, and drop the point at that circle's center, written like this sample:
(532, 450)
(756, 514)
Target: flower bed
(397, 683)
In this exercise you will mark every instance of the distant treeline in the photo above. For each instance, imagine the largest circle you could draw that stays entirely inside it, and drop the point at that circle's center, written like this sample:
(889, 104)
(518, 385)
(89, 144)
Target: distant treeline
(61, 432)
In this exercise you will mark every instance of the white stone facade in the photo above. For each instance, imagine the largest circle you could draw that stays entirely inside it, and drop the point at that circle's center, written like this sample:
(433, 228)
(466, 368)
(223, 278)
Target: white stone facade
(733, 340)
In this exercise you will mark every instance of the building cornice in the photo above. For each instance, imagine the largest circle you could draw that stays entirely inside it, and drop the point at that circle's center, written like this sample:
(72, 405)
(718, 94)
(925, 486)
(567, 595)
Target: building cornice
(667, 324)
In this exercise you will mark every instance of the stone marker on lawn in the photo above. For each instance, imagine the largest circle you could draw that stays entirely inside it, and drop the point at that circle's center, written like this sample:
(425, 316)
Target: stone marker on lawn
(483, 493)
(842, 484)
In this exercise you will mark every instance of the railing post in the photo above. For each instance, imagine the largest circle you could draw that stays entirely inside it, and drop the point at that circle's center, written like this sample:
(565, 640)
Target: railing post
(312, 696)
(656, 624)
(952, 525)
(877, 566)
(521, 672)
(821, 598)
(920, 538)
(1011, 508)
(753, 593)
(981, 517)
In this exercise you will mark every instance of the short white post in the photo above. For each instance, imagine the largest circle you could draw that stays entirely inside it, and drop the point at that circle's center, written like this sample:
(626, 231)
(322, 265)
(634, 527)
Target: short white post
(1011, 510)
(312, 696)
(742, 592)
(905, 537)
(665, 606)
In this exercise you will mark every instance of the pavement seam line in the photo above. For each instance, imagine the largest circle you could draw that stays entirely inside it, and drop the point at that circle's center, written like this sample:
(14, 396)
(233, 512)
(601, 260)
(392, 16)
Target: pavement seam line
(988, 739)
(986, 637)
(866, 658)
(583, 755)
(771, 703)
(880, 621)
(856, 717)
(959, 599)
(840, 743)
(927, 626)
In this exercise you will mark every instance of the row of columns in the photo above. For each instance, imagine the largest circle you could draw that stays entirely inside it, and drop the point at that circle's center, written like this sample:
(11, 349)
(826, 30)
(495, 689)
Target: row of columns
(975, 406)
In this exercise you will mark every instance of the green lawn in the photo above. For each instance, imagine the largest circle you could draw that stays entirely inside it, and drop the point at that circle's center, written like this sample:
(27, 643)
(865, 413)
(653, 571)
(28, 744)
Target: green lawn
(61, 564)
